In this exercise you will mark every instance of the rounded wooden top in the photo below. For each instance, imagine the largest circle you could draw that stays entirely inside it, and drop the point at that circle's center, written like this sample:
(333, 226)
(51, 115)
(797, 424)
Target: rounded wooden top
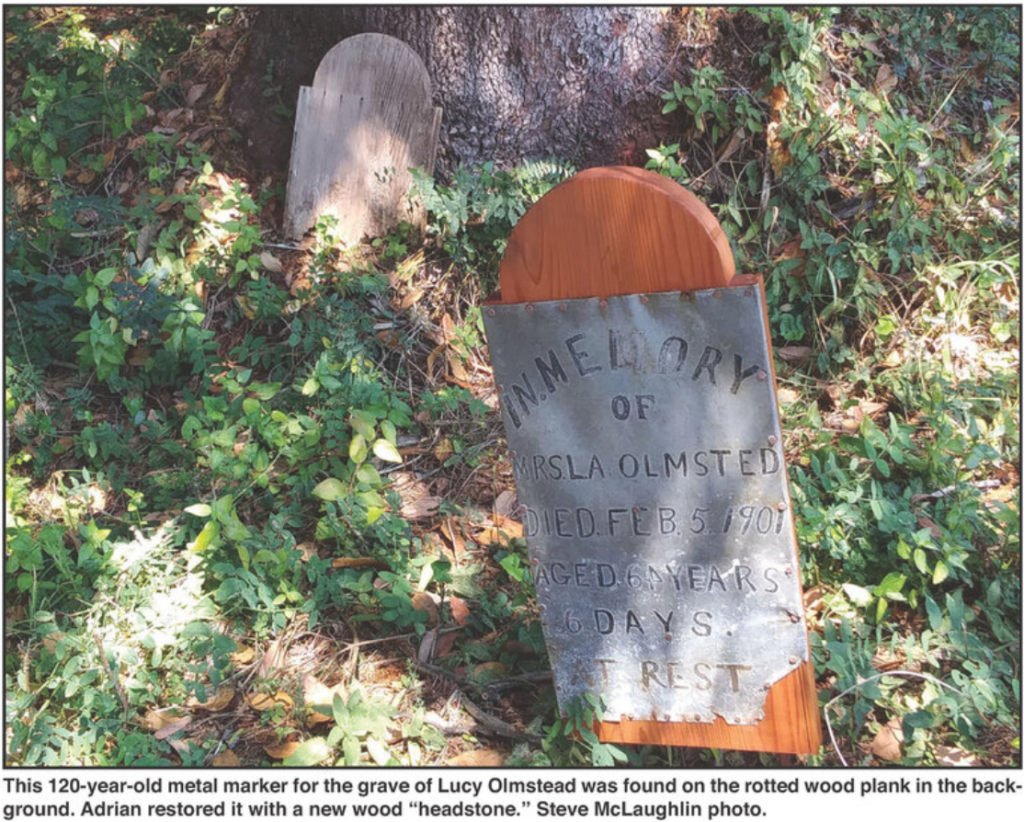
(611, 231)
(374, 66)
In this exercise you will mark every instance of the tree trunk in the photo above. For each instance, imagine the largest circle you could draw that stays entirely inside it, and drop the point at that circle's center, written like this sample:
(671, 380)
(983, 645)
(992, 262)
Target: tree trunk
(579, 83)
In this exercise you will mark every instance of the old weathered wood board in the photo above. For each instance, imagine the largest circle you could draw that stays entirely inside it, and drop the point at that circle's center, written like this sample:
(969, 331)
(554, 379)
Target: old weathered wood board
(635, 372)
(366, 120)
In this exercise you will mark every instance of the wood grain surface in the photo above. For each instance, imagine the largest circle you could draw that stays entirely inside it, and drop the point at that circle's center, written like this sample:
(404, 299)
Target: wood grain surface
(612, 231)
(366, 120)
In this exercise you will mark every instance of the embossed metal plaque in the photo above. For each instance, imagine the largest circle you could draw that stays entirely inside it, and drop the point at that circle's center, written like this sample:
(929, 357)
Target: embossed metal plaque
(647, 451)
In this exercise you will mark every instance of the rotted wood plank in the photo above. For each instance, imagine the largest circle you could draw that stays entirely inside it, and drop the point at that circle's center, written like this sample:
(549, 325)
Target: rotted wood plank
(366, 120)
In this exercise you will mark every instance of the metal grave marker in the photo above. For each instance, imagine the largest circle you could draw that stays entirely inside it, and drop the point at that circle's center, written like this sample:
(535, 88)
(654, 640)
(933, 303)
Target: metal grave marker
(647, 450)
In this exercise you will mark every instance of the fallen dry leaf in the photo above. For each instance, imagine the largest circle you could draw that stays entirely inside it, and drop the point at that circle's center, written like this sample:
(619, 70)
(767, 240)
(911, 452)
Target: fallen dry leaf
(173, 728)
(428, 645)
(243, 656)
(924, 522)
(483, 758)
(218, 99)
(270, 262)
(411, 297)
(218, 702)
(495, 669)
(264, 702)
(272, 659)
(456, 367)
(422, 601)
(226, 759)
(504, 505)
(443, 450)
(509, 527)
(787, 396)
(447, 328)
(888, 742)
(432, 358)
(794, 354)
(873, 409)
(892, 359)
(358, 562)
(180, 745)
(445, 644)
(314, 692)
(194, 93)
(454, 538)
(514, 646)
(155, 720)
(421, 508)
(955, 757)
(885, 80)
(460, 611)
(813, 599)
(281, 751)
(967, 150)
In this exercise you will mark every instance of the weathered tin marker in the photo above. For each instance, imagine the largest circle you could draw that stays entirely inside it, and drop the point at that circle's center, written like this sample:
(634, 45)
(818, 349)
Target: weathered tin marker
(644, 432)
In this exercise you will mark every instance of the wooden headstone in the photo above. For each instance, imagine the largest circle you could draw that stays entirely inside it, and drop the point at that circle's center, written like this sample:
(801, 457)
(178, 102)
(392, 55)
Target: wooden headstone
(366, 120)
(638, 391)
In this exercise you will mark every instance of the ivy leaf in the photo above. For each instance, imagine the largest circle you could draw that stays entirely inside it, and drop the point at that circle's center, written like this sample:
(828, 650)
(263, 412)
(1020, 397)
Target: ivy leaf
(265, 391)
(206, 537)
(329, 490)
(378, 751)
(386, 451)
(311, 752)
(357, 449)
(353, 750)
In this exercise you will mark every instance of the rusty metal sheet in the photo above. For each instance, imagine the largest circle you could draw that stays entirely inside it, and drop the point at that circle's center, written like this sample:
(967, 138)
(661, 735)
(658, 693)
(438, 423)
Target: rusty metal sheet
(647, 450)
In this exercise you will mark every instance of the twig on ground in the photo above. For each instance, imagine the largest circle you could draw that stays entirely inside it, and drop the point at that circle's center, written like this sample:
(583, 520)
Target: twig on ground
(852, 688)
(495, 726)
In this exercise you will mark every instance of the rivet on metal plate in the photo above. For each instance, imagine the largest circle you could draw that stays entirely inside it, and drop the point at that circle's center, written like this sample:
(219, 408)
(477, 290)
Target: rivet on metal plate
(748, 293)
(767, 686)
(772, 439)
(603, 303)
(781, 506)
(490, 312)
(668, 636)
(529, 309)
(789, 571)
(643, 299)
(561, 307)
(717, 295)
(535, 561)
(793, 660)
(762, 376)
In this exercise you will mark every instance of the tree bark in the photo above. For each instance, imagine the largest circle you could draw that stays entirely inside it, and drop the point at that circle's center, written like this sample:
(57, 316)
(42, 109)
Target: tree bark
(579, 83)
